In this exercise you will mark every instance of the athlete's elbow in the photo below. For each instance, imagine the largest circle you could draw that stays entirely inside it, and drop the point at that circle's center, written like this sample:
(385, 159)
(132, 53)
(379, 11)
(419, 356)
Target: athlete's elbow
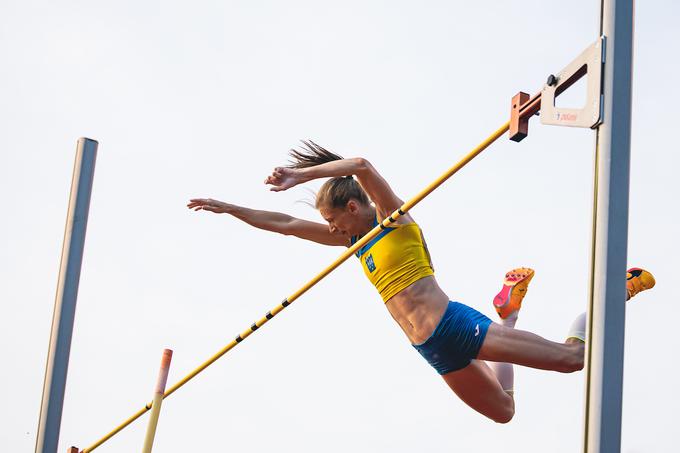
(273, 227)
(282, 224)
(361, 165)
(285, 229)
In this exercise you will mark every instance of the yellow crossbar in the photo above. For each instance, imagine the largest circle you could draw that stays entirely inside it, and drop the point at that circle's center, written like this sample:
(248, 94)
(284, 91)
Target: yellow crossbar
(346, 254)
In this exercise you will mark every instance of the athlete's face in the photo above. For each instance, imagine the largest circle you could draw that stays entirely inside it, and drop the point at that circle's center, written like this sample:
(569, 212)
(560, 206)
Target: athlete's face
(345, 221)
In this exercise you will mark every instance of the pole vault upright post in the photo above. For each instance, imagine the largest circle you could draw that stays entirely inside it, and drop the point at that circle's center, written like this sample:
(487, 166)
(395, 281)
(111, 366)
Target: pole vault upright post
(608, 64)
(606, 326)
(65, 301)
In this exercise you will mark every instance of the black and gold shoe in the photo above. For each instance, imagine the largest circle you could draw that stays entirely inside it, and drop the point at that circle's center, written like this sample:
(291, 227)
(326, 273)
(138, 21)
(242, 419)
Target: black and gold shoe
(638, 280)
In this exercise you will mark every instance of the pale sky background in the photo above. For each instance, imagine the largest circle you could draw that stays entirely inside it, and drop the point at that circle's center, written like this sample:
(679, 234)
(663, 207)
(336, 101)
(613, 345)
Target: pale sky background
(204, 98)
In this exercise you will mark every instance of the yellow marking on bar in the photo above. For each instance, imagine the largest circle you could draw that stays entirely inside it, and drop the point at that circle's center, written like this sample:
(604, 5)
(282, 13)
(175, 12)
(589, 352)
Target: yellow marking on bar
(342, 258)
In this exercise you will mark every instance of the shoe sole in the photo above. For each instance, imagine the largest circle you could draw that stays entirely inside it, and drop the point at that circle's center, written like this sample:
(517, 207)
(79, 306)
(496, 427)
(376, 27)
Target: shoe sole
(513, 291)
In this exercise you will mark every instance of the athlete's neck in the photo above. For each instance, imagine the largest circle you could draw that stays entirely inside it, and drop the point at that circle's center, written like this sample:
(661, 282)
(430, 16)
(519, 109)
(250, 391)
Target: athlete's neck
(368, 217)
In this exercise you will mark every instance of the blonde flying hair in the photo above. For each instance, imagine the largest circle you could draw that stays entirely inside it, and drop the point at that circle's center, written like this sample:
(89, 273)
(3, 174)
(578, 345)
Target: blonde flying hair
(337, 191)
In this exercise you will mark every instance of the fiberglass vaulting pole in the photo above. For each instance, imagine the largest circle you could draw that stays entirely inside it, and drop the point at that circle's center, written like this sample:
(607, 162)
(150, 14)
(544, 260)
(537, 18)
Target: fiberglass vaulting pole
(604, 355)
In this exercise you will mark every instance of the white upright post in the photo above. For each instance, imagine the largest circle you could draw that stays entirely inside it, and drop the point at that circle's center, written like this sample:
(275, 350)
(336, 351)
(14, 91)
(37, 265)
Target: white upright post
(604, 356)
(158, 394)
(47, 439)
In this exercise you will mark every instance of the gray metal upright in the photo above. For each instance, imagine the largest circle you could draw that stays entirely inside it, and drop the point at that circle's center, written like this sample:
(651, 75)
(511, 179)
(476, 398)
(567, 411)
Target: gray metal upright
(47, 439)
(604, 356)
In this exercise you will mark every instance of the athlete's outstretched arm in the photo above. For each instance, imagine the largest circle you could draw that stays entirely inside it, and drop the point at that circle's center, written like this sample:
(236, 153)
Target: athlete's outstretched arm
(272, 221)
(373, 183)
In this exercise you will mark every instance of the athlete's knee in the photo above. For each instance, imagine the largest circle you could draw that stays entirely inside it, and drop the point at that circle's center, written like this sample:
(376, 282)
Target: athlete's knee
(505, 416)
(506, 412)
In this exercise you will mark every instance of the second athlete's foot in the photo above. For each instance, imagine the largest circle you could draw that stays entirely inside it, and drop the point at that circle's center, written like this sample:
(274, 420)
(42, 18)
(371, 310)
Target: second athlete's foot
(638, 280)
(515, 285)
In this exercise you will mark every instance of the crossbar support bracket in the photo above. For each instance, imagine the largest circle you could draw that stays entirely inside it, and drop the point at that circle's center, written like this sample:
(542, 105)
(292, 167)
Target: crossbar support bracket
(589, 63)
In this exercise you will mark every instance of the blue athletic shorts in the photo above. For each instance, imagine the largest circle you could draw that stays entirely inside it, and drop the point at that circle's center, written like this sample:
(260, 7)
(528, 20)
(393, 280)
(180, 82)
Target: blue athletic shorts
(456, 340)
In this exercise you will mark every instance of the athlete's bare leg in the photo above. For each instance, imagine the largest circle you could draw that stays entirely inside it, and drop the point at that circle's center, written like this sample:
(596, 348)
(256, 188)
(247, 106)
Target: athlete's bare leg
(477, 385)
(503, 344)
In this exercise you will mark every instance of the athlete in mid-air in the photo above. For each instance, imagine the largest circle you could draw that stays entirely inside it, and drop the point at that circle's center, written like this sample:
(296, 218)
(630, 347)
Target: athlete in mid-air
(455, 339)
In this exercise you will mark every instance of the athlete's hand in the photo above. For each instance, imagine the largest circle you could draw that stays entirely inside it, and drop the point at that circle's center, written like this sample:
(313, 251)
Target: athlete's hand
(283, 178)
(208, 204)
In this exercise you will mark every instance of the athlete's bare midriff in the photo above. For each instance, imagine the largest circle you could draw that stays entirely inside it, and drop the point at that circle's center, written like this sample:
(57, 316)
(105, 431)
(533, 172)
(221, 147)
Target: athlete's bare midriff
(418, 308)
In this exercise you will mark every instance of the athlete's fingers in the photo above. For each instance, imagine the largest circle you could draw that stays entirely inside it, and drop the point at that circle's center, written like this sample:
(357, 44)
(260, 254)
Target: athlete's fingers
(201, 202)
(274, 181)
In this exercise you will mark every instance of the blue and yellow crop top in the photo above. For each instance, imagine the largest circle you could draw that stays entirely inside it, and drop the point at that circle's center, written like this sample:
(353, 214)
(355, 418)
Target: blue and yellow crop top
(395, 258)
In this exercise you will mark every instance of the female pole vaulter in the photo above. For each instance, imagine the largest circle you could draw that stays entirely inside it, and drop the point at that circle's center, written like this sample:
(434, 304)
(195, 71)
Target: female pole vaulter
(455, 339)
